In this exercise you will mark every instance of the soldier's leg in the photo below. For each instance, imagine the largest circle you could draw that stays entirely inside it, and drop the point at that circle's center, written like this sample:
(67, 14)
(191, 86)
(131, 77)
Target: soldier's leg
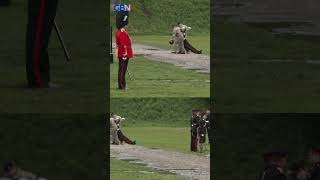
(122, 137)
(126, 63)
(120, 73)
(41, 14)
(188, 47)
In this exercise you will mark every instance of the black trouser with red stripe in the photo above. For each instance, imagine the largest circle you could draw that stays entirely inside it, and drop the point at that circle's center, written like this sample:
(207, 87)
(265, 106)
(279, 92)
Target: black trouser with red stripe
(122, 138)
(41, 14)
(123, 66)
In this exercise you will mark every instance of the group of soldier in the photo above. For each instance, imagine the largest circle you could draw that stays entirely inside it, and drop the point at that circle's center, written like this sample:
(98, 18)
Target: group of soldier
(116, 135)
(276, 161)
(200, 127)
(179, 39)
(13, 172)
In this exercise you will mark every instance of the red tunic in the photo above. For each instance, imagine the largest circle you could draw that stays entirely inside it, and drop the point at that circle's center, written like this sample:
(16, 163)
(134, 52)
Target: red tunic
(123, 41)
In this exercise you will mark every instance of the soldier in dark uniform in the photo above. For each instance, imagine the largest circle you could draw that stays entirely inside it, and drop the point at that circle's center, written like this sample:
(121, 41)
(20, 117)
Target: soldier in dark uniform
(194, 129)
(202, 133)
(41, 14)
(123, 42)
(275, 162)
(314, 158)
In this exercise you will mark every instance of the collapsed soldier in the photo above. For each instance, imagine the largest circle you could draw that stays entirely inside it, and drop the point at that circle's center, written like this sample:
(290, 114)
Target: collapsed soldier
(117, 136)
(13, 172)
(121, 136)
(188, 47)
(275, 163)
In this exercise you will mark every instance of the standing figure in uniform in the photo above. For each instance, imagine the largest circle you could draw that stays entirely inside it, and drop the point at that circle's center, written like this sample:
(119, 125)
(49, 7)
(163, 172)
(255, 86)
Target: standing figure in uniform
(11, 171)
(177, 40)
(41, 15)
(202, 133)
(275, 163)
(194, 129)
(123, 42)
(114, 129)
(314, 158)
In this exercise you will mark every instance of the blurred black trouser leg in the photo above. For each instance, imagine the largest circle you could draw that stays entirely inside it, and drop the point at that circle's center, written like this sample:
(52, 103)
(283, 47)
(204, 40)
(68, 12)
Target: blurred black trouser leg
(123, 65)
(41, 14)
(188, 47)
(122, 138)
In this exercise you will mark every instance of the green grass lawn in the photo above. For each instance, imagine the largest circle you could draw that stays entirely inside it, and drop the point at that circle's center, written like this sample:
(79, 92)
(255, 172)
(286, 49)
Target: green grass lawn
(174, 139)
(243, 85)
(156, 79)
(83, 80)
(199, 41)
(121, 170)
(57, 147)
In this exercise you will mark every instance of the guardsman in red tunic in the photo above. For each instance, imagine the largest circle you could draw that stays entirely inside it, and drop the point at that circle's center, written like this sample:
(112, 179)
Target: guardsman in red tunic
(123, 42)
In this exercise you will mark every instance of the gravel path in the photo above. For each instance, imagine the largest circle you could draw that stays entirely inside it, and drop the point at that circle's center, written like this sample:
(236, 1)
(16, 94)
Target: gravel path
(198, 62)
(190, 166)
